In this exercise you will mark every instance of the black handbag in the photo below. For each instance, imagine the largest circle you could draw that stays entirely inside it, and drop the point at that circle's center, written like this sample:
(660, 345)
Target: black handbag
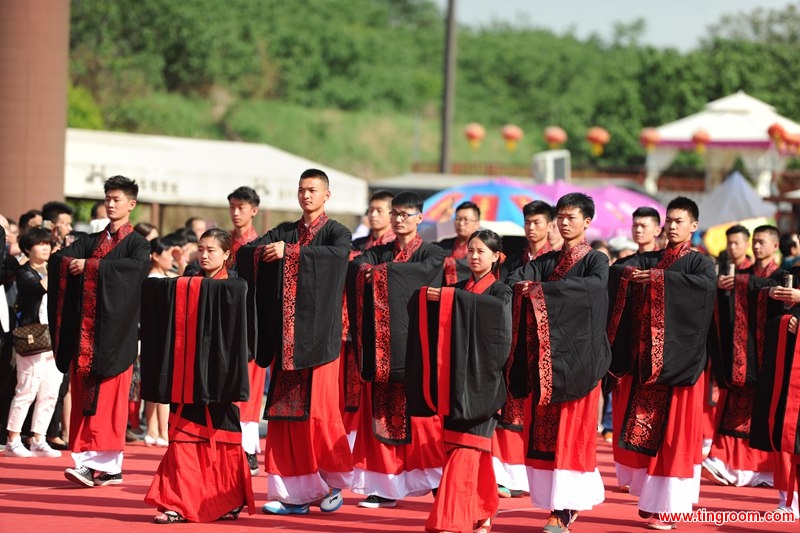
(31, 339)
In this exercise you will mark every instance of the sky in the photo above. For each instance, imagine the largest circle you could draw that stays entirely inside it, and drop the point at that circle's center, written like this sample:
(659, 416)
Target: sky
(677, 24)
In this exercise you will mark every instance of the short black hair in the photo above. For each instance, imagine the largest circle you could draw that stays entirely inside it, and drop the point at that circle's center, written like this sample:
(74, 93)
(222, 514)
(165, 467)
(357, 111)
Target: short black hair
(738, 228)
(27, 216)
(408, 199)
(685, 204)
(32, 237)
(577, 199)
(381, 195)
(159, 245)
(51, 210)
(144, 228)
(316, 173)
(222, 236)
(647, 212)
(97, 205)
(243, 193)
(121, 183)
(538, 207)
(191, 220)
(767, 228)
(176, 238)
(786, 244)
(469, 205)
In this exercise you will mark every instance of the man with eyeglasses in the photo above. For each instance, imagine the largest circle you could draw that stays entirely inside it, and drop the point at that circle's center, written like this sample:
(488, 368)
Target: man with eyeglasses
(466, 222)
(394, 455)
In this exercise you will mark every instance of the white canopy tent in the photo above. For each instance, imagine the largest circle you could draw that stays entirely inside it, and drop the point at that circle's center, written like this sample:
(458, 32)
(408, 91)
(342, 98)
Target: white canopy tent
(733, 200)
(178, 171)
(737, 126)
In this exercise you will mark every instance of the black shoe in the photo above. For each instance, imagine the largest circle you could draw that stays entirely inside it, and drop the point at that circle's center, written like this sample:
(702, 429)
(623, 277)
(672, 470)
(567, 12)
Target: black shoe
(132, 436)
(376, 502)
(82, 476)
(58, 443)
(252, 462)
(108, 479)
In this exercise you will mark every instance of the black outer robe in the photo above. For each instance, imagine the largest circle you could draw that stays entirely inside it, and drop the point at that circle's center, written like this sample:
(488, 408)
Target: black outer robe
(773, 393)
(690, 288)
(576, 311)
(118, 294)
(394, 289)
(319, 284)
(480, 336)
(424, 268)
(721, 351)
(220, 337)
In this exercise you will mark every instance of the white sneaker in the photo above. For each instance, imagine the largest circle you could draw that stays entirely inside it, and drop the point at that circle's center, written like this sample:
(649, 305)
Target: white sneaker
(43, 449)
(15, 448)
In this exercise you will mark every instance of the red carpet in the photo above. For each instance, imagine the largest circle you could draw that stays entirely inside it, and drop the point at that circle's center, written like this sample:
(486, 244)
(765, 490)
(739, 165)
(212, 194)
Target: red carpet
(35, 497)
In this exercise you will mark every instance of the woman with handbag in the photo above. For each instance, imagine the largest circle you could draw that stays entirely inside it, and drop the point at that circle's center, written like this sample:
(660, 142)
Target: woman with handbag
(37, 376)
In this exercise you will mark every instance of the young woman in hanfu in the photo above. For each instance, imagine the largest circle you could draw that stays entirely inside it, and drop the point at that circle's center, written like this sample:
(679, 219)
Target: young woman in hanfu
(460, 342)
(194, 357)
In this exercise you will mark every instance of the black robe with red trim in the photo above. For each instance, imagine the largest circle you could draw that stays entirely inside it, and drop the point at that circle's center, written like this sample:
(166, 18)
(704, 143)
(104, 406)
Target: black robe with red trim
(688, 303)
(658, 332)
(740, 322)
(575, 308)
(379, 318)
(112, 292)
(402, 280)
(775, 422)
(194, 341)
(317, 284)
(478, 333)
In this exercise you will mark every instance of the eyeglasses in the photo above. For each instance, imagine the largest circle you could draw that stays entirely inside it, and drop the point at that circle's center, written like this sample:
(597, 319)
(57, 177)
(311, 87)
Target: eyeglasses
(401, 215)
(464, 220)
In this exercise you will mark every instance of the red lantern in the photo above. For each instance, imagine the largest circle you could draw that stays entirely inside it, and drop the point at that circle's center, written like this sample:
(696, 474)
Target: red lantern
(649, 138)
(554, 136)
(512, 134)
(599, 138)
(776, 132)
(475, 134)
(700, 139)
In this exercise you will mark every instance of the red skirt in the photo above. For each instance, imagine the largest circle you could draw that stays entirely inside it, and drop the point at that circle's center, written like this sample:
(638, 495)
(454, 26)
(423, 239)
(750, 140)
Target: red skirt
(620, 397)
(299, 448)
(683, 437)
(467, 493)
(576, 443)
(424, 451)
(105, 430)
(252, 410)
(202, 484)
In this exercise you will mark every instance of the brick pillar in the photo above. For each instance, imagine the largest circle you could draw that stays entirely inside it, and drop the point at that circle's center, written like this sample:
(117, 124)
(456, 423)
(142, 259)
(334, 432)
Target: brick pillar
(34, 61)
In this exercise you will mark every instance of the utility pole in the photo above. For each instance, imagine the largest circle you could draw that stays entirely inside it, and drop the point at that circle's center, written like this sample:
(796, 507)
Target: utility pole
(448, 99)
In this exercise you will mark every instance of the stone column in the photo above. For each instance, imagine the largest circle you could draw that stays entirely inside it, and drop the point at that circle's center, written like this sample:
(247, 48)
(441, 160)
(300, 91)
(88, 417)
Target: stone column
(34, 62)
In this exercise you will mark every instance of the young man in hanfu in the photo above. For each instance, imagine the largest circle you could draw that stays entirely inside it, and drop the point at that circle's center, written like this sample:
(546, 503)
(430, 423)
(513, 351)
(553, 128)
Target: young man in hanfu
(774, 425)
(297, 273)
(194, 357)
(396, 455)
(458, 345)
(243, 207)
(380, 232)
(559, 354)
(662, 307)
(467, 221)
(742, 301)
(93, 304)
(508, 448)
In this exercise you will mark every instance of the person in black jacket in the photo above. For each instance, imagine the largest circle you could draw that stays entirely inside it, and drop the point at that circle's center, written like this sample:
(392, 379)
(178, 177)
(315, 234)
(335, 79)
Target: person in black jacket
(37, 376)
